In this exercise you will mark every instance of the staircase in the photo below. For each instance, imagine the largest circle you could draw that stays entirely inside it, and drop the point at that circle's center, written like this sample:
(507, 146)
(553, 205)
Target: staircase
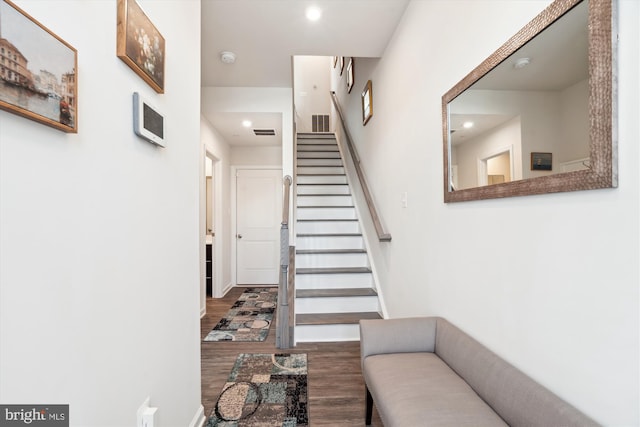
(334, 282)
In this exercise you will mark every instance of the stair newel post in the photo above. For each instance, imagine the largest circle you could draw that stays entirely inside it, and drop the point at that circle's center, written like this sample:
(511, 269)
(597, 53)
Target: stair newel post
(282, 322)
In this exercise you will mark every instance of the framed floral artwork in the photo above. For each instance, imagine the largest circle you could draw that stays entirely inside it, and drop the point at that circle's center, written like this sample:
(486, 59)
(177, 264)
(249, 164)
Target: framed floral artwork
(140, 45)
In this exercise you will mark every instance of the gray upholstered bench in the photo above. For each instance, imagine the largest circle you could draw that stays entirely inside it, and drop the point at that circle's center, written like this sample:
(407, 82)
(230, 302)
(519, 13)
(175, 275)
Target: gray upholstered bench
(427, 372)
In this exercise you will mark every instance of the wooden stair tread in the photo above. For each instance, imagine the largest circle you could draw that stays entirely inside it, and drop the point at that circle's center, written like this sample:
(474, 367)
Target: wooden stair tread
(334, 318)
(334, 270)
(329, 234)
(326, 207)
(341, 292)
(321, 183)
(328, 220)
(325, 195)
(320, 174)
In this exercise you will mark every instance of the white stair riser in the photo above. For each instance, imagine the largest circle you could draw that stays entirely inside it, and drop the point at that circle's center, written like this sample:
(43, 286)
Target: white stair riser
(333, 242)
(327, 227)
(323, 189)
(319, 162)
(321, 180)
(336, 305)
(325, 201)
(318, 154)
(326, 213)
(305, 141)
(327, 333)
(320, 170)
(331, 260)
(334, 281)
(317, 147)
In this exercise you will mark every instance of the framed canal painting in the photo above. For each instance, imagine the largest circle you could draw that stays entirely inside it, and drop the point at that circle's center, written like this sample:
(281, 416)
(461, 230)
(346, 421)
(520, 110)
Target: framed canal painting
(38, 71)
(140, 45)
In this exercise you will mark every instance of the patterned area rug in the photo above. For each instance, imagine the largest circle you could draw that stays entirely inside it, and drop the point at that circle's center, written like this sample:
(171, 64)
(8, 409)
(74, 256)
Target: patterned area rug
(249, 318)
(265, 390)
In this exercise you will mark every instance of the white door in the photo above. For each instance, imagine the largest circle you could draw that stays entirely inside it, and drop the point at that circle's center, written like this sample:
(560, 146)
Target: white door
(258, 218)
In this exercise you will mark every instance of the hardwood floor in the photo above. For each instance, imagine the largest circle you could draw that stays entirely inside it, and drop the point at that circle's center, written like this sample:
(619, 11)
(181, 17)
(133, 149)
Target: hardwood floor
(335, 384)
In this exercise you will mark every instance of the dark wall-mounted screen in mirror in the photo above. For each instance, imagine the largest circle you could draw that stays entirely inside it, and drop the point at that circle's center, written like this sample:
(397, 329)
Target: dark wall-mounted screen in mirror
(548, 90)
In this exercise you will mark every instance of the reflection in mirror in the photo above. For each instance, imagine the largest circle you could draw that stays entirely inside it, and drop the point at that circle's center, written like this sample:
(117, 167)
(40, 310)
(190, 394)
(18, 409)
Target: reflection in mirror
(533, 101)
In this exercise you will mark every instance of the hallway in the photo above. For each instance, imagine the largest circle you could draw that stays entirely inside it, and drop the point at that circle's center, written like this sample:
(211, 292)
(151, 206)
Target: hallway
(336, 387)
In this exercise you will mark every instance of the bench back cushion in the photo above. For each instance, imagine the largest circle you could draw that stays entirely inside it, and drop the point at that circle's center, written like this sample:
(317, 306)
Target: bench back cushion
(409, 335)
(518, 399)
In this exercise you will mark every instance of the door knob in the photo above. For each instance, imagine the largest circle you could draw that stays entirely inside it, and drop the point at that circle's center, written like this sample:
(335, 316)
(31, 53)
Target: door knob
(239, 236)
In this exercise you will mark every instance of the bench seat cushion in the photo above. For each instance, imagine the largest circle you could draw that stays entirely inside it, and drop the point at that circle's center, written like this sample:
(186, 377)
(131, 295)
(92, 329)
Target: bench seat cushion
(407, 386)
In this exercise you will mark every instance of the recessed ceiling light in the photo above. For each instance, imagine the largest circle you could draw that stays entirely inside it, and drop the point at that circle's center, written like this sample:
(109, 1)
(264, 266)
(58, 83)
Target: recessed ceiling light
(313, 13)
(246, 123)
(467, 125)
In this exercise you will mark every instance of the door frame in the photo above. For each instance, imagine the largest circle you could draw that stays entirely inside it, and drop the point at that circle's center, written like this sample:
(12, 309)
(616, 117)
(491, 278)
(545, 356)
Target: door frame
(217, 247)
(234, 210)
(483, 179)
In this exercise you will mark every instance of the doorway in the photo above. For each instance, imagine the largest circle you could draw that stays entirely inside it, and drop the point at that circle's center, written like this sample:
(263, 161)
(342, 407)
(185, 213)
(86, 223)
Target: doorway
(258, 216)
(211, 225)
(496, 167)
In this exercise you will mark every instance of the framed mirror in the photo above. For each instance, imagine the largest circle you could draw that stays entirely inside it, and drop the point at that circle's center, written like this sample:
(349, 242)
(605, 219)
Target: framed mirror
(539, 115)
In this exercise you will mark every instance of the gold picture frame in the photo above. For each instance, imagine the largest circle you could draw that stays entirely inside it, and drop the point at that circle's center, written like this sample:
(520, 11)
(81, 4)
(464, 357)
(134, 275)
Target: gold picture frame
(38, 71)
(367, 103)
(350, 75)
(140, 45)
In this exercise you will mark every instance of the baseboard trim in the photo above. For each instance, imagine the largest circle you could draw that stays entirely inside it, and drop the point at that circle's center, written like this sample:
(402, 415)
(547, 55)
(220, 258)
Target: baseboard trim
(227, 288)
(199, 419)
(203, 311)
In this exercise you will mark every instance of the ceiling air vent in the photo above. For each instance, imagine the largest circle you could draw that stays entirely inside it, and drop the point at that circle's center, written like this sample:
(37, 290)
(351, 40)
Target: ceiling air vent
(264, 132)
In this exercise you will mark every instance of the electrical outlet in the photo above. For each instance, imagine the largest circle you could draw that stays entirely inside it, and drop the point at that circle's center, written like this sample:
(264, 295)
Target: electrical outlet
(141, 411)
(404, 200)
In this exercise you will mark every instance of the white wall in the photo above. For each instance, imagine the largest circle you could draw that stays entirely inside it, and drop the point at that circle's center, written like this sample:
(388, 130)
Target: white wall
(506, 137)
(99, 302)
(256, 156)
(311, 88)
(561, 301)
(215, 144)
(574, 115)
(256, 99)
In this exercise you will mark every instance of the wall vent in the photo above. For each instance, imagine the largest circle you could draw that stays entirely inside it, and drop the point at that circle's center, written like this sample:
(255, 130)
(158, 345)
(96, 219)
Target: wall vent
(320, 123)
(264, 132)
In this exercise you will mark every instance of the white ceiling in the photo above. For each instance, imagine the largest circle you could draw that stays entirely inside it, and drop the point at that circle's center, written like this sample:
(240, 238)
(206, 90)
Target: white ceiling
(265, 34)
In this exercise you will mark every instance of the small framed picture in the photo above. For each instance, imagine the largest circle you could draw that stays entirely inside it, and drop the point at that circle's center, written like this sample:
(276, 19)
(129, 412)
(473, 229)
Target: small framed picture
(341, 60)
(541, 161)
(350, 76)
(38, 71)
(140, 45)
(367, 103)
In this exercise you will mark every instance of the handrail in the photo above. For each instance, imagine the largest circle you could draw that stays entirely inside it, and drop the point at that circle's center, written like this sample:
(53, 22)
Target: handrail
(383, 236)
(283, 327)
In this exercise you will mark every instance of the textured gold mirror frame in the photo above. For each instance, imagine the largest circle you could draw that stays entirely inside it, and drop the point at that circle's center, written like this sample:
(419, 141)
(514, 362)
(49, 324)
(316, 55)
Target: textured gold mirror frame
(603, 172)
